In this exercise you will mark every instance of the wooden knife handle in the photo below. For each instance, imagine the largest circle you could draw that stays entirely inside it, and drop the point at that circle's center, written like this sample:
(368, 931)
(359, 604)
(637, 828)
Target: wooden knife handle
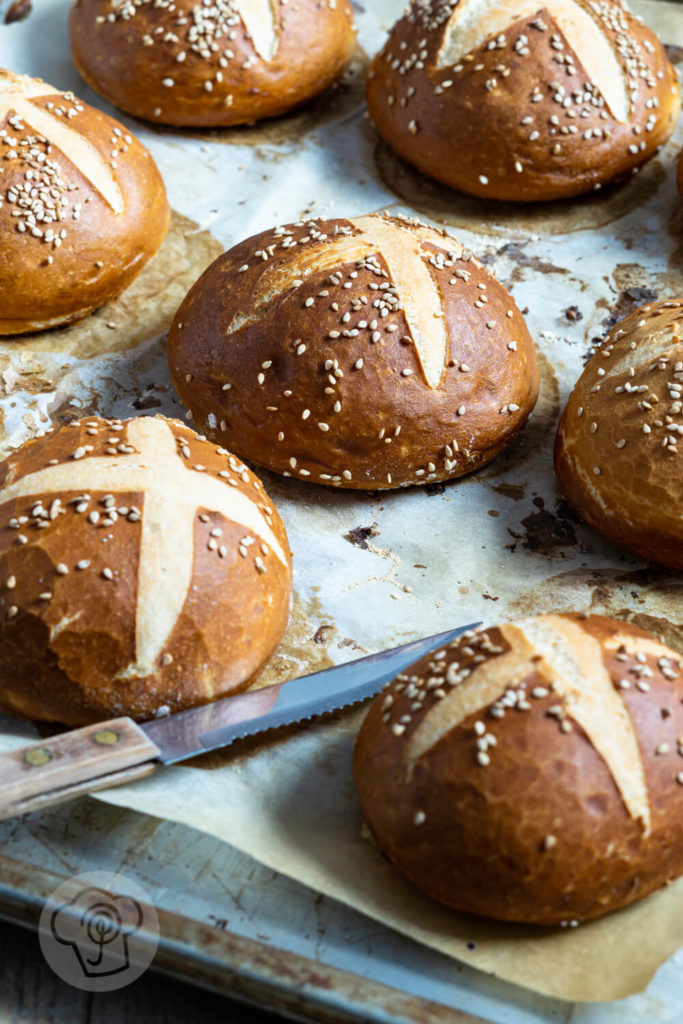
(74, 763)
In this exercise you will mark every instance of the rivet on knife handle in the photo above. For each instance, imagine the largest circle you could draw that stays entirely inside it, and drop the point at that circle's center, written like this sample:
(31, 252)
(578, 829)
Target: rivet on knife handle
(54, 769)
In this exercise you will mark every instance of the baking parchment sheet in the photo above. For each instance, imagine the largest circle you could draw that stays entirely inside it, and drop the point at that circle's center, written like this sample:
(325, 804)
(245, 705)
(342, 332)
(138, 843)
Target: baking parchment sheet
(373, 570)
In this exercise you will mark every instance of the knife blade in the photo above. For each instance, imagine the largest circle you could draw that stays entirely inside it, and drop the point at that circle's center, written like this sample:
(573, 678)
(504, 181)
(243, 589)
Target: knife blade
(213, 726)
(110, 753)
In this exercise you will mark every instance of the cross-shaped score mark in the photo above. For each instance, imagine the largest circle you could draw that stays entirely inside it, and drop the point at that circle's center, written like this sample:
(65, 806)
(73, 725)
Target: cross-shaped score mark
(402, 250)
(16, 95)
(172, 495)
(571, 661)
(475, 21)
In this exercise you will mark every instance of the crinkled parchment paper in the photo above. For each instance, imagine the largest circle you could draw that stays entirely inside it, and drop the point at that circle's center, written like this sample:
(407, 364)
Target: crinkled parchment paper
(293, 808)
(374, 570)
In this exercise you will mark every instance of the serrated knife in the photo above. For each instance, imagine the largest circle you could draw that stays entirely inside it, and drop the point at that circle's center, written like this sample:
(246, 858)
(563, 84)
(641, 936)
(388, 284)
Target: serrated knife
(111, 753)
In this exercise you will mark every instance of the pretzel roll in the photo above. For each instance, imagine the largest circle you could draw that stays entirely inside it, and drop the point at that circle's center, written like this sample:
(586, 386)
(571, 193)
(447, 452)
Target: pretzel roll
(218, 62)
(363, 353)
(82, 206)
(531, 772)
(142, 571)
(522, 100)
(616, 449)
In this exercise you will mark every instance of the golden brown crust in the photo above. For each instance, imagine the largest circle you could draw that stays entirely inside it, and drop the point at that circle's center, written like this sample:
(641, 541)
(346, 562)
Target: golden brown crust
(225, 64)
(616, 454)
(512, 812)
(69, 247)
(144, 570)
(680, 174)
(511, 106)
(357, 353)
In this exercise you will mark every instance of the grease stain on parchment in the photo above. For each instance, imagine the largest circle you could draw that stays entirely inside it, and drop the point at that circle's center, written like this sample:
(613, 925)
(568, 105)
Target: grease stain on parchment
(516, 492)
(535, 434)
(516, 252)
(634, 286)
(336, 104)
(674, 53)
(493, 217)
(649, 597)
(303, 649)
(18, 10)
(547, 532)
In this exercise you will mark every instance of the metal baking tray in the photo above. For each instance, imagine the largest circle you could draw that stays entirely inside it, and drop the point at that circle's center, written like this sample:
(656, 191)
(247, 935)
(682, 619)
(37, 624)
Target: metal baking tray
(227, 922)
(233, 926)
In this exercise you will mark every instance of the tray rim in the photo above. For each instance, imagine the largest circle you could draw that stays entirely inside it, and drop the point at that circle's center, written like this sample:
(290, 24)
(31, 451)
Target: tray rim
(244, 969)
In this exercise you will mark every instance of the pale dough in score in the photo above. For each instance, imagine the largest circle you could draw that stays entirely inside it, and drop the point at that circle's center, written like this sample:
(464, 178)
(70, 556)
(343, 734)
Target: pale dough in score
(16, 94)
(172, 496)
(475, 21)
(407, 263)
(261, 19)
(571, 662)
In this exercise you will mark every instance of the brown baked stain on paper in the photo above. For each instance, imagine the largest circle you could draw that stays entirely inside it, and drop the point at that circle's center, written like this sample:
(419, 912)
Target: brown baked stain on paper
(303, 649)
(650, 597)
(491, 217)
(534, 436)
(18, 10)
(547, 532)
(300, 651)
